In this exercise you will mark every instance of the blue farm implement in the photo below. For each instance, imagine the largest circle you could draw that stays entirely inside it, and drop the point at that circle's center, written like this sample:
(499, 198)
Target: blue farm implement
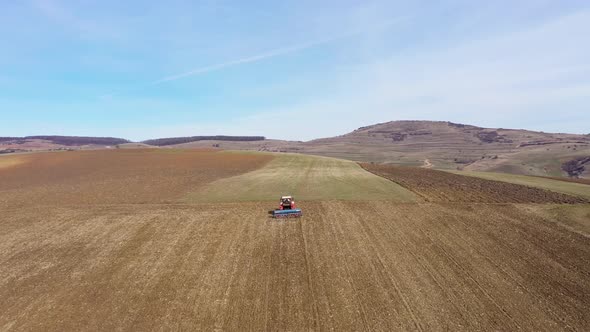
(292, 213)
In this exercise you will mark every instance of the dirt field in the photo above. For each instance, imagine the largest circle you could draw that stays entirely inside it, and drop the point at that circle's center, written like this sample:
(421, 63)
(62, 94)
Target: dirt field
(120, 240)
(10, 161)
(440, 186)
(576, 188)
(573, 217)
(344, 266)
(116, 176)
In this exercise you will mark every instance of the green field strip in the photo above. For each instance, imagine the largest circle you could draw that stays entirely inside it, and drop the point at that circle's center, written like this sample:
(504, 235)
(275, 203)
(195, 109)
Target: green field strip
(306, 178)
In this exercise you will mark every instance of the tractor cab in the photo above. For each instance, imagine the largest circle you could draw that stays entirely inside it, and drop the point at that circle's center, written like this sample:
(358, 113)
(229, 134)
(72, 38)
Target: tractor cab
(287, 203)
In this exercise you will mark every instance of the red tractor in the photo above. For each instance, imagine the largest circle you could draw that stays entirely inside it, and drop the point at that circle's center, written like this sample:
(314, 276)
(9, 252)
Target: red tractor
(286, 203)
(287, 208)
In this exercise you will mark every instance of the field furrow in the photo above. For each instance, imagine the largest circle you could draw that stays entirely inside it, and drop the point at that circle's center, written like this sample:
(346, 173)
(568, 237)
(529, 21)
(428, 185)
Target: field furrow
(169, 240)
(439, 186)
(343, 266)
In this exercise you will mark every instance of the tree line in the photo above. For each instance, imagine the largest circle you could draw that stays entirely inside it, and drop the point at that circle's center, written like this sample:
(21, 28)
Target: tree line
(181, 140)
(71, 140)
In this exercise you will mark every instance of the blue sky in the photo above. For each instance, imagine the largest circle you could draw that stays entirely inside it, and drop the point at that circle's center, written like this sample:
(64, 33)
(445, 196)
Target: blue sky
(290, 69)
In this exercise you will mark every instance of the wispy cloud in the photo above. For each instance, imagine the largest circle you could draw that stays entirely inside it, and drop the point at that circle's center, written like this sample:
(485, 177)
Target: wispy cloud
(276, 52)
(254, 58)
(260, 57)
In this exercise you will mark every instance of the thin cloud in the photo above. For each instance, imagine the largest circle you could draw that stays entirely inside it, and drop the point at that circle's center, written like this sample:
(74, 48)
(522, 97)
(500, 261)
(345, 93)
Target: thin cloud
(273, 53)
(255, 58)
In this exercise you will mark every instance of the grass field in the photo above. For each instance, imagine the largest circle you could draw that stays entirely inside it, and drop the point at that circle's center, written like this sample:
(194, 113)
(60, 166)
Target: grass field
(305, 177)
(577, 189)
(131, 240)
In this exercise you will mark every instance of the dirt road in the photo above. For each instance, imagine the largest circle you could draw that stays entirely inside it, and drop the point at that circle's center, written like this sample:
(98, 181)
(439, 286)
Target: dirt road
(427, 163)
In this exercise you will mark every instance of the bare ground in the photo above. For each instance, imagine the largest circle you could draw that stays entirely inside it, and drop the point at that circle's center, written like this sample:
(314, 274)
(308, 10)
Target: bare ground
(343, 266)
(97, 241)
(440, 186)
(115, 176)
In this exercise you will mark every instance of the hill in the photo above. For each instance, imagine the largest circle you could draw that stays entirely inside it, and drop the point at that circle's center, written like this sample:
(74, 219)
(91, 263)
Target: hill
(432, 144)
(457, 146)
(53, 142)
(444, 145)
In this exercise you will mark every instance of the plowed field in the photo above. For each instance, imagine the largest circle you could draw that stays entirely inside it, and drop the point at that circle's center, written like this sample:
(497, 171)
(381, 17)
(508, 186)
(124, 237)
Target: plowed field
(116, 176)
(131, 240)
(565, 186)
(439, 186)
(344, 266)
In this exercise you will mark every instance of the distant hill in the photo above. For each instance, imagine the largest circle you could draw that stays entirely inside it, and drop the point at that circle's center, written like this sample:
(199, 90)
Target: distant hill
(68, 140)
(432, 144)
(43, 143)
(444, 145)
(458, 146)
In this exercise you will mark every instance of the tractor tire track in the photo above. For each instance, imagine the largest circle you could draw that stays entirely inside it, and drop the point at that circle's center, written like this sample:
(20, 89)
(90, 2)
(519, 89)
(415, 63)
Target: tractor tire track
(344, 266)
(337, 234)
(308, 272)
(387, 270)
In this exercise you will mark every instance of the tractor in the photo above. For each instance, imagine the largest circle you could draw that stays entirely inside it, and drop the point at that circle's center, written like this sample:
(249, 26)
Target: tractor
(287, 208)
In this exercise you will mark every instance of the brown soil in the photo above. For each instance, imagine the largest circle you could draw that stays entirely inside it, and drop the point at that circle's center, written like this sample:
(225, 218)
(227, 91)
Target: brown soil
(117, 176)
(439, 186)
(343, 266)
(85, 244)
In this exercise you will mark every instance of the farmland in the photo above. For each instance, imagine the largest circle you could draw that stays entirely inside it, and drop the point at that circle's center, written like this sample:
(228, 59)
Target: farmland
(439, 186)
(116, 176)
(166, 240)
(306, 177)
(577, 187)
